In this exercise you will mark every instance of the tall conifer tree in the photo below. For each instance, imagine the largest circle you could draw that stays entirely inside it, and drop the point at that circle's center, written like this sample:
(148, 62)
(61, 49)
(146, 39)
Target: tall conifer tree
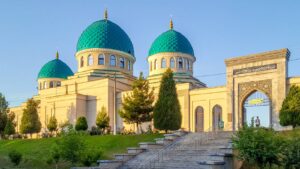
(137, 106)
(290, 110)
(30, 122)
(167, 115)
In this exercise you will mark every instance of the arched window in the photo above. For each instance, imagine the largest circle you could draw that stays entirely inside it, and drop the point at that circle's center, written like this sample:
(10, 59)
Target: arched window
(163, 63)
(51, 84)
(155, 64)
(180, 63)
(82, 62)
(90, 60)
(150, 66)
(58, 84)
(122, 63)
(187, 64)
(101, 59)
(41, 86)
(112, 60)
(199, 119)
(172, 63)
(45, 85)
(129, 65)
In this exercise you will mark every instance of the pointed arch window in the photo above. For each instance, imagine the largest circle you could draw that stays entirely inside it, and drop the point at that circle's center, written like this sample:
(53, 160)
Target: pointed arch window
(180, 63)
(81, 61)
(150, 66)
(90, 60)
(101, 59)
(163, 63)
(122, 63)
(129, 65)
(172, 63)
(51, 84)
(155, 64)
(187, 64)
(112, 60)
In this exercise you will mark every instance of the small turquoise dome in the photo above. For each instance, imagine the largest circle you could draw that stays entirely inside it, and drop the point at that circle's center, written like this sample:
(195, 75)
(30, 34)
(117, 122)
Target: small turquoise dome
(105, 34)
(171, 41)
(55, 69)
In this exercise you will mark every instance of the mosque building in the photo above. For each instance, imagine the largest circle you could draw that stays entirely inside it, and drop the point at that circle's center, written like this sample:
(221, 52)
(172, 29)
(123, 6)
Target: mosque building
(256, 85)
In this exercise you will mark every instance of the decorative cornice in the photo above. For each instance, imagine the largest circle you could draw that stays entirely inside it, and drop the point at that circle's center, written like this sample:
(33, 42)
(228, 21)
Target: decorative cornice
(275, 54)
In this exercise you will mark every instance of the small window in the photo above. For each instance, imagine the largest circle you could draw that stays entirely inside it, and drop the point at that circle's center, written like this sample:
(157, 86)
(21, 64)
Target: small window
(58, 84)
(122, 63)
(101, 60)
(150, 66)
(163, 63)
(172, 63)
(51, 84)
(90, 60)
(180, 63)
(41, 86)
(81, 62)
(129, 65)
(45, 85)
(155, 64)
(187, 64)
(112, 60)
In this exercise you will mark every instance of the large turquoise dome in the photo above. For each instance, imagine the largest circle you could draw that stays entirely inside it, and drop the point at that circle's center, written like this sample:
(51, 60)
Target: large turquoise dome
(105, 34)
(171, 41)
(55, 69)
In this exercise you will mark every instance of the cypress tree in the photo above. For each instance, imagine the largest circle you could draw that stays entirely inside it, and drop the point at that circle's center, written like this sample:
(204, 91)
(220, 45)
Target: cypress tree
(167, 115)
(102, 120)
(137, 106)
(52, 125)
(30, 122)
(290, 110)
(10, 125)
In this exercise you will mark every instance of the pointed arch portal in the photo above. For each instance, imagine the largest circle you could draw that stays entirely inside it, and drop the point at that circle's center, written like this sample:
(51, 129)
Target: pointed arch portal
(257, 105)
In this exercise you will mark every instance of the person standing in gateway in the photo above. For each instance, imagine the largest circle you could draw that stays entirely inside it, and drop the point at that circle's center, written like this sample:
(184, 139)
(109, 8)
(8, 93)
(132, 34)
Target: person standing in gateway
(257, 121)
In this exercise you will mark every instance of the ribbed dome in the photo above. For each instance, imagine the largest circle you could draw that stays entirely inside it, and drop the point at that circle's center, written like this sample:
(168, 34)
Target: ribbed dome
(55, 69)
(171, 41)
(105, 34)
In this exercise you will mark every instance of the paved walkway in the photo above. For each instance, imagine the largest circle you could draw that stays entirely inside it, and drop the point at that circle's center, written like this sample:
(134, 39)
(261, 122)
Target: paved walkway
(185, 153)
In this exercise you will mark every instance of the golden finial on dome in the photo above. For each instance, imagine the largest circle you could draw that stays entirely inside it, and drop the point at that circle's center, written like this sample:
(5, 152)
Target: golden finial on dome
(171, 24)
(105, 14)
(57, 55)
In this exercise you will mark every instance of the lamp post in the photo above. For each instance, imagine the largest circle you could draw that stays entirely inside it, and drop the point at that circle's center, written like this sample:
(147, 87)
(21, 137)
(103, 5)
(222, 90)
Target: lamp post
(115, 105)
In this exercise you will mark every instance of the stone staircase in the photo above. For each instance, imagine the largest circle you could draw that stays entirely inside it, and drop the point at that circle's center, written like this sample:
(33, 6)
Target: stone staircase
(211, 150)
(145, 151)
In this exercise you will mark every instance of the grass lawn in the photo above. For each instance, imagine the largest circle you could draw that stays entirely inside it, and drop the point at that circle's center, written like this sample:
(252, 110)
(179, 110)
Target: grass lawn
(36, 151)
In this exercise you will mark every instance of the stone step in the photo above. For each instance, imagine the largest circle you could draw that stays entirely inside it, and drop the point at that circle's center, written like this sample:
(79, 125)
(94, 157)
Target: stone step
(171, 136)
(212, 164)
(135, 150)
(163, 141)
(124, 157)
(109, 164)
(150, 145)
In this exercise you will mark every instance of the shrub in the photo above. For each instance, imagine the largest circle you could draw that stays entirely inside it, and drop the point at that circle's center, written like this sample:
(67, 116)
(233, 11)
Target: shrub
(15, 157)
(258, 146)
(71, 146)
(94, 131)
(102, 120)
(291, 153)
(52, 125)
(81, 124)
(90, 157)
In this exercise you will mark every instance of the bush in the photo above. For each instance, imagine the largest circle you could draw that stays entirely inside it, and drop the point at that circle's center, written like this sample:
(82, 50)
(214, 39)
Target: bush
(71, 146)
(15, 157)
(95, 131)
(291, 153)
(258, 146)
(90, 157)
(81, 124)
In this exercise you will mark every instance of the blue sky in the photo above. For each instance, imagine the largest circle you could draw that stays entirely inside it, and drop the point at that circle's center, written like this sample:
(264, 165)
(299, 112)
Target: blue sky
(32, 31)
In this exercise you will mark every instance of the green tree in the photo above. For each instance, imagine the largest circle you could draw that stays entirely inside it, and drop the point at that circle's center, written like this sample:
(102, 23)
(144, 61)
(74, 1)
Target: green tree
(52, 125)
(90, 156)
(15, 157)
(30, 122)
(137, 106)
(81, 124)
(71, 147)
(10, 125)
(3, 113)
(291, 153)
(102, 120)
(167, 115)
(290, 110)
(55, 156)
